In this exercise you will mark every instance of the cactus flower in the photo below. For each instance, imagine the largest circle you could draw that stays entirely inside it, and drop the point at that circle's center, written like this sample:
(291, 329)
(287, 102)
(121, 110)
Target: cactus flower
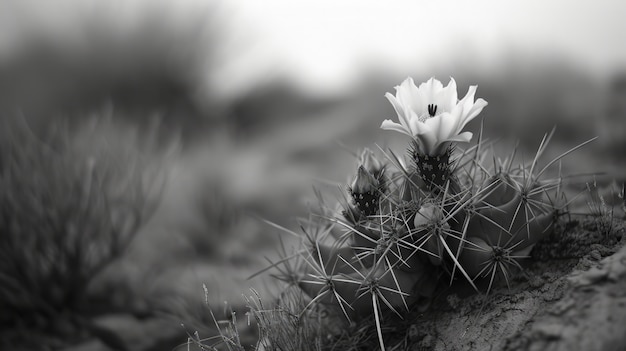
(432, 114)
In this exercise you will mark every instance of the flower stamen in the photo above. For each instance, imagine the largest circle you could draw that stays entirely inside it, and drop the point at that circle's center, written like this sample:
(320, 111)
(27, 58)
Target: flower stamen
(432, 110)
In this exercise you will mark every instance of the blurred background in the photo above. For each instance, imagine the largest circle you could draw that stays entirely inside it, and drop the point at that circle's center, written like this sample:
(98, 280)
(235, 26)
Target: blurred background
(263, 99)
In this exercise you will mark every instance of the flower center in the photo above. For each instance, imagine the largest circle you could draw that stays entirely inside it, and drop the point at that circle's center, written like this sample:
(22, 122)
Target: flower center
(432, 110)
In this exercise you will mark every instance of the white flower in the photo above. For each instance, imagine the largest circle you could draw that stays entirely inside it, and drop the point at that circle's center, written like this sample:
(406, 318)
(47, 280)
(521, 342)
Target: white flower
(432, 113)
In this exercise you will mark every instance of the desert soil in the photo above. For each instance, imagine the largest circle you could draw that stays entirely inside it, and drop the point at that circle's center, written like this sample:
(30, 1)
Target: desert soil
(572, 296)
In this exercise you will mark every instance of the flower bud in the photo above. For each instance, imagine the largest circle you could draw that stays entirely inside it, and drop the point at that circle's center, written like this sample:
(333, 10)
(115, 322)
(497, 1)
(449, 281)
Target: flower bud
(365, 191)
(364, 182)
(368, 160)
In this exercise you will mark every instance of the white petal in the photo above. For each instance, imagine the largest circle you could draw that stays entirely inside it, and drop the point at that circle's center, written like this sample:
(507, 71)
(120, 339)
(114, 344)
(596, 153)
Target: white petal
(457, 116)
(468, 99)
(470, 109)
(476, 108)
(471, 91)
(434, 85)
(408, 95)
(447, 126)
(427, 137)
(448, 97)
(419, 128)
(428, 92)
(397, 106)
(391, 125)
(442, 125)
(403, 88)
(464, 137)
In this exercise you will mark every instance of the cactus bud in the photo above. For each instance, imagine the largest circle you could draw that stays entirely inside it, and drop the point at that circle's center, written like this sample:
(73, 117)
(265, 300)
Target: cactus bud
(364, 182)
(368, 160)
(365, 191)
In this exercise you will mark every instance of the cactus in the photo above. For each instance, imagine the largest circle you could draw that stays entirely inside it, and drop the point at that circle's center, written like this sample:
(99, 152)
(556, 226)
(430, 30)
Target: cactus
(443, 213)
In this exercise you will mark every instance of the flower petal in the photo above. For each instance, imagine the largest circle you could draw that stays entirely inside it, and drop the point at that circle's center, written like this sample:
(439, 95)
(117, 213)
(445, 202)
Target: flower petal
(408, 96)
(442, 125)
(467, 102)
(464, 137)
(433, 133)
(399, 108)
(419, 128)
(391, 125)
(476, 109)
(468, 108)
(428, 92)
(447, 98)
(427, 137)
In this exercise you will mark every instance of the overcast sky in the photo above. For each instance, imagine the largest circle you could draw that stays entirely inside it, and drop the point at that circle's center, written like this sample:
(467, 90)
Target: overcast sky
(324, 43)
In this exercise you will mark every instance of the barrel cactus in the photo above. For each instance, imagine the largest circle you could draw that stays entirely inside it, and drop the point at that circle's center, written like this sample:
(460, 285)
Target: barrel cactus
(441, 214)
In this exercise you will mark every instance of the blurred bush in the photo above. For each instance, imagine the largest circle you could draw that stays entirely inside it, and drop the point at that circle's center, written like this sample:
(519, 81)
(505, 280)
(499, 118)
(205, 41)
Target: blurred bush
(72, 202)
(65, 58)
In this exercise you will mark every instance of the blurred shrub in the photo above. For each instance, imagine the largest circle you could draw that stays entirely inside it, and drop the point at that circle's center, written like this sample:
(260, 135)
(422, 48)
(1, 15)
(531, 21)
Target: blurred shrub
(68, 56)
(71, 202)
